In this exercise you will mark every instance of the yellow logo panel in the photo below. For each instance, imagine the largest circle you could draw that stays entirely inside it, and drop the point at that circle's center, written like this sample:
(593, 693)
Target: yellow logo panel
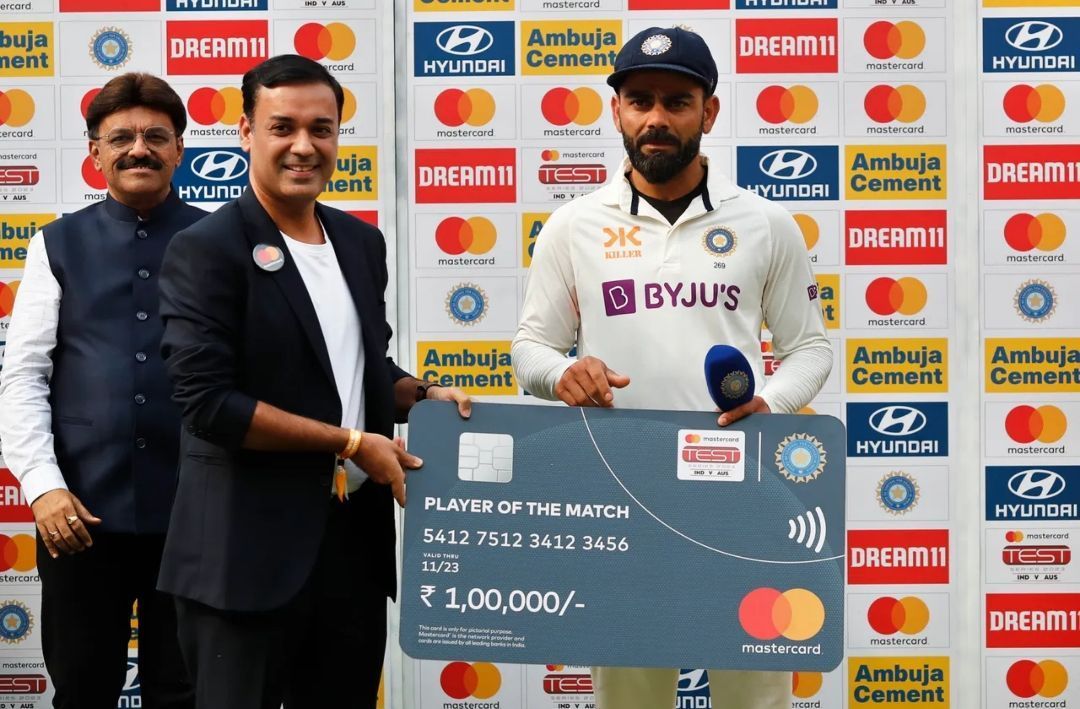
(15, 233)
(1039, 364)
(560, 48)
(886, 172)
(898, 681)
(356, 174)
(27, 49)
(462, 5)
(829, 295)
(479, 367)
(531, 224)
(897, 365)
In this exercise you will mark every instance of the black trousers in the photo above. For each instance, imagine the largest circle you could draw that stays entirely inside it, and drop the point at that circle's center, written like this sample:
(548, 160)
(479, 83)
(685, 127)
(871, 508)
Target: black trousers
(86, 601)
(322, 650)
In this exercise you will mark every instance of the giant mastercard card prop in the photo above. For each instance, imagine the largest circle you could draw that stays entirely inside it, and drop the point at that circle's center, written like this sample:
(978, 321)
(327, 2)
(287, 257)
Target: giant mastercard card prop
(624, 538)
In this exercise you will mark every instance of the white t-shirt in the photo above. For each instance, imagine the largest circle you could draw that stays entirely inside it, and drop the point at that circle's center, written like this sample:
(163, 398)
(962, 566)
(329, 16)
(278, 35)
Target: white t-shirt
(340, 326)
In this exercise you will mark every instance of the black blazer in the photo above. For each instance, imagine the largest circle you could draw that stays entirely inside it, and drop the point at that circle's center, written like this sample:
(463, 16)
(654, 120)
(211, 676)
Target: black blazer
(246, 525)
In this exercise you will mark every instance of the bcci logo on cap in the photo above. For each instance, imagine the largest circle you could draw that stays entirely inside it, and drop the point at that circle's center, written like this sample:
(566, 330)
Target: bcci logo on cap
(110, 48)
(466, 304)
(16, 622)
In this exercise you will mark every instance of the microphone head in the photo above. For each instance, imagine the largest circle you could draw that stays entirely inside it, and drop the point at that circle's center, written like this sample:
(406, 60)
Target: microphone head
(728, 376)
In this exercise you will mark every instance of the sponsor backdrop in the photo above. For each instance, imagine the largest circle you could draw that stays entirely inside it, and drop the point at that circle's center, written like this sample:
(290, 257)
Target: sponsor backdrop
(854, 113)
(54, 56)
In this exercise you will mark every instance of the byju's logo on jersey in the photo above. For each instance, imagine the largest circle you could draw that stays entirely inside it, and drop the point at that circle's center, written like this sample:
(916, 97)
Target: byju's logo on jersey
(809, 172)
(463, 49)
(1033, 493)
(211, 174)
(906, 430)
(1036, 44)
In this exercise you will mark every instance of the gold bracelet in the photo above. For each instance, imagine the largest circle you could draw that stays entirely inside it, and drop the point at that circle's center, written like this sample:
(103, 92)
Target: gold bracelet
(355, 436)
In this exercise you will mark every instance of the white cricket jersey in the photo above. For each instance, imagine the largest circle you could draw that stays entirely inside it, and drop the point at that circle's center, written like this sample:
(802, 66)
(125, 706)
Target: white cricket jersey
(649, 298)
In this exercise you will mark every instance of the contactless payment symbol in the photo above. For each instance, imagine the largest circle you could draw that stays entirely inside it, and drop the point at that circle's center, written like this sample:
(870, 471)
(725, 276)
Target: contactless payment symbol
(800, 457)
(16, 622)
(267, 257)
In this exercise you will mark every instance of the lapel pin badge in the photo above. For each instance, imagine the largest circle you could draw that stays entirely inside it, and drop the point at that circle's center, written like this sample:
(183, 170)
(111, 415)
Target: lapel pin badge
(268, 258)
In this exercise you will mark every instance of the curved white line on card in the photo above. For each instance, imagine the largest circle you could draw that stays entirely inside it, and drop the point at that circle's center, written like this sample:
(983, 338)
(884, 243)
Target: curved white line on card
(690, 539)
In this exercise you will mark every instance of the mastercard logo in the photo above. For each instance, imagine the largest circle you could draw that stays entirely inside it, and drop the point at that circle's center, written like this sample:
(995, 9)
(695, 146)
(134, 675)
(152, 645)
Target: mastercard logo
(89, 96)
(811, 232)
(16, 108)
(887, 296)
(886, 40)
(92, 175)
(1027, 424)
(7, 297)
(454, 107)
(1014, 537)
(334, 41)
(555, 668)
(475, 235)
(692, 438)
(461, 680)
(549, 155)
(18, 552)
(885, 104)
(1045, 232)
(1047, 678)
(888, 616)
(805, 684)
(794, 104)
(562, 106)
(796, 614)
(208, 106)
(1043, 103)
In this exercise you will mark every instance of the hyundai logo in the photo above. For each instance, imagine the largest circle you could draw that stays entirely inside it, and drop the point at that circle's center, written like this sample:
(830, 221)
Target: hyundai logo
(1034, 36)
(788, 164)
(131, 681)
(464, 40)
(1036, 484)
(693, 680)
(219, 165)
(897, 421)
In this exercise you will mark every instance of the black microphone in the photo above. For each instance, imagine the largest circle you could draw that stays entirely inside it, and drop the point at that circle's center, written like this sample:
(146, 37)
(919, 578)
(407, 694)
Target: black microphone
(729, 377)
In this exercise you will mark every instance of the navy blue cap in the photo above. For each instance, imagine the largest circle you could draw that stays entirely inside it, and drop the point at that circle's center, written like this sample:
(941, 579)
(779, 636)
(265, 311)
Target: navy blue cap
(666, 49)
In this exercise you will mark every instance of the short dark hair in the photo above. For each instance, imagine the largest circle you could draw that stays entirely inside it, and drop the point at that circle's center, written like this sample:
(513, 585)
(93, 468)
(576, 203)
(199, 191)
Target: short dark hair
(132, 90)
(284, 70)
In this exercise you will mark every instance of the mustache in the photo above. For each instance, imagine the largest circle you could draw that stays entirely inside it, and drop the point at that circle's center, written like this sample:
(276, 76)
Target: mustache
(147, 162)
(655, 136)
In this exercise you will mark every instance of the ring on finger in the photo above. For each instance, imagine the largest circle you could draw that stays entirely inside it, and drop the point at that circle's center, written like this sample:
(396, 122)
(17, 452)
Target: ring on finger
(54, 533)
(72, 519)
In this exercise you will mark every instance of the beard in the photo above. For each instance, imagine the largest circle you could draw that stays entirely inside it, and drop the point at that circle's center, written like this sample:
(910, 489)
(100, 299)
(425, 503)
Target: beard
(661, 166)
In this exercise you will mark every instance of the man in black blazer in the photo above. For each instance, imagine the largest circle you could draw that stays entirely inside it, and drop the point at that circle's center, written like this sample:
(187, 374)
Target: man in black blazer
(281, 558)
